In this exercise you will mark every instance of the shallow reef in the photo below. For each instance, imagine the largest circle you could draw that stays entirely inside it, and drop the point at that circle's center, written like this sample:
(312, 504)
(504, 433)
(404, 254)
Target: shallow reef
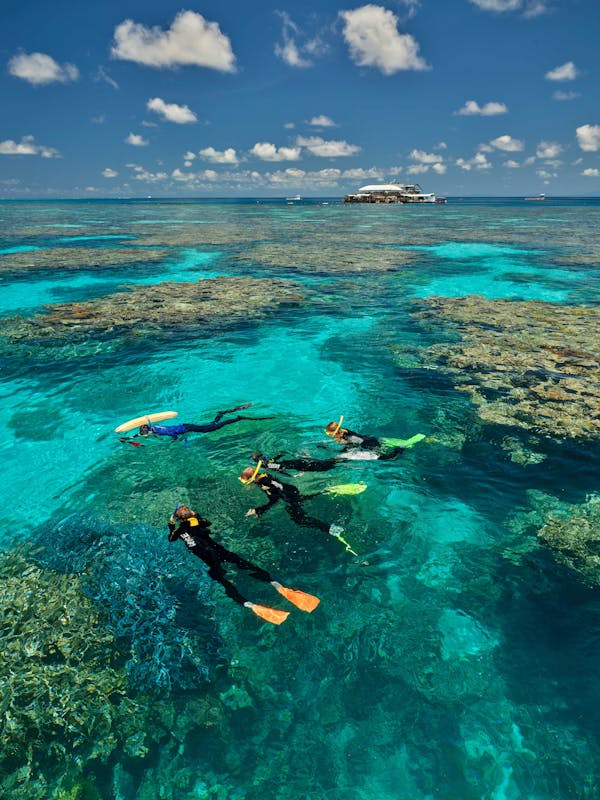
(571, 530)
(75, 258)
(531, 364)
(338, 257)
(165, 307)
(64, 699)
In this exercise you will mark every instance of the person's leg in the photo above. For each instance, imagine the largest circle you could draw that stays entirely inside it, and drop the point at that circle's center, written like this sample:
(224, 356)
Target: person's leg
(217, 573)
(386, 455)
(233, 558)
(294, 508)
(310, 464)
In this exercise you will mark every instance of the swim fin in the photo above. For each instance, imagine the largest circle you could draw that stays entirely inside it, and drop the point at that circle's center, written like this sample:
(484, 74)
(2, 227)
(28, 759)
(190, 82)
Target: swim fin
(406, 443)
(346, 488)
(302, 600)
(273, 615)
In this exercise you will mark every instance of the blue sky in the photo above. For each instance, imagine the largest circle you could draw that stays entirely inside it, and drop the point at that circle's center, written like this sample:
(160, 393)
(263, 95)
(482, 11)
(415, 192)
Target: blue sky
(237, 98)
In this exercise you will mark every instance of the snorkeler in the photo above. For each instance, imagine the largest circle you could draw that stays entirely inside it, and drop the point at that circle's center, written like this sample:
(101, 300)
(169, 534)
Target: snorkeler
(358, 446)
(175, 431)
(277, 490)
(195, 532)
(298, 464)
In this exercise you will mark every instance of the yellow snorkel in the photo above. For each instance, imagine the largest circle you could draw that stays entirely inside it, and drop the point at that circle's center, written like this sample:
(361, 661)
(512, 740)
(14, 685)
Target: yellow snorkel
(248, 481)
(335, 432)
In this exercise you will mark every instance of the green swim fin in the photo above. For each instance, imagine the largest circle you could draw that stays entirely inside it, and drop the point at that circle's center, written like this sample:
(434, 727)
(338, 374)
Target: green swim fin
(406, 443)
(346, 488)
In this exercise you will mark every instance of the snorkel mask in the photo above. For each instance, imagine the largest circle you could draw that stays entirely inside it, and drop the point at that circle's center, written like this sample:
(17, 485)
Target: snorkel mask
(335, 432)
(248, 481)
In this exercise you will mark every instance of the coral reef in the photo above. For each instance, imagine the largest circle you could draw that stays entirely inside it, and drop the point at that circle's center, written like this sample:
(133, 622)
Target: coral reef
(75, 258)
(533, 365)
(571, 530)
(64, 700)
(167, 307)
(325, 256)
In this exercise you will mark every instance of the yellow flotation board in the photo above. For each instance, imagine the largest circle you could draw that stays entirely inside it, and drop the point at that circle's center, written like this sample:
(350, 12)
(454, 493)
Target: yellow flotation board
(137, 421)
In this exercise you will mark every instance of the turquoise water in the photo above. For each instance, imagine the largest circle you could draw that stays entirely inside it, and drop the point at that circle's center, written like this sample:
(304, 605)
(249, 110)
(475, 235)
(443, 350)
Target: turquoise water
(437, 664)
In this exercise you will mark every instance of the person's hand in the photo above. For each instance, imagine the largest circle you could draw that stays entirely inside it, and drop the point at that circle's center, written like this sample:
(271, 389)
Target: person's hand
(172, 519)
(251, 512)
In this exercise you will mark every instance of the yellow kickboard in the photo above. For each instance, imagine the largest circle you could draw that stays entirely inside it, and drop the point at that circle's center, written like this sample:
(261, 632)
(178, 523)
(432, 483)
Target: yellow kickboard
(137, 421)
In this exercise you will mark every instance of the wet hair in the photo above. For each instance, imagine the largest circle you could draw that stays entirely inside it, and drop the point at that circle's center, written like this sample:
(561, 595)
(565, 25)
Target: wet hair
(184, 512)
(144, 429)
(256, 456)
(247, 473)
(331, 426)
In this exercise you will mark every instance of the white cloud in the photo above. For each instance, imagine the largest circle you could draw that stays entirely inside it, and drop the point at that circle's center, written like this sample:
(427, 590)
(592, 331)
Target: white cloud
(136, 140)
(479, 161)
(507, 143)
(424, 158)
(512, 164)
(548, 149)
(109, 173)
(322, 122)
(290, 50)
(189, 156)
(417, 169)
(360, 174)
(591, 172)
(171, 111)
(472, 108)
(38, 69)
(289, 125)
(327, 149)
(228, 156)
(268, 152)
(498, 5)
(566, 72)
(440, 169)
(102, 75)
(371, 33)
(560, 95)
(27, 147)
(588, 137)
(191, 40)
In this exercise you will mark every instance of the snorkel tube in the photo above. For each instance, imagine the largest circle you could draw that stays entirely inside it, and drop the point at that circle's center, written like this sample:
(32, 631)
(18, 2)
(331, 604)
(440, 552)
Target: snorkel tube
(248, 481)
(335, 432)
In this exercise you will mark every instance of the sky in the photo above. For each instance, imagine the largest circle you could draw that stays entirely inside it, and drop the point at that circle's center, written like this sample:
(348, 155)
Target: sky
(255, 99)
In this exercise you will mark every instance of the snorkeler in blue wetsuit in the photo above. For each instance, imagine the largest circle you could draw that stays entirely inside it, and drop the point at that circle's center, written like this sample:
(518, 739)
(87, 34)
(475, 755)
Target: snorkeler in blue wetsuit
(175, 431)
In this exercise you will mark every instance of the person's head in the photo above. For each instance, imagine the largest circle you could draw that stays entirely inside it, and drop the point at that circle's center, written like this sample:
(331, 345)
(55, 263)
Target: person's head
(333, 428)
(144, 430)
(256, 457)
(183, 512)
(247, 475)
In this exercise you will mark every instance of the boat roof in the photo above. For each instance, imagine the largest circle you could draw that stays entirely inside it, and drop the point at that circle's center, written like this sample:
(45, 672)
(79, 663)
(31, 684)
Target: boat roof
(382, 187)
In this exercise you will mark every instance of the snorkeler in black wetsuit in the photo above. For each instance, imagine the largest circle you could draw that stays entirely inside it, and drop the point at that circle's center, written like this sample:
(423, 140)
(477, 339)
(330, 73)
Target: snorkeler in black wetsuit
(277, 490)
(194, 530)
(175, 431)
(297, 464)
(358, 446)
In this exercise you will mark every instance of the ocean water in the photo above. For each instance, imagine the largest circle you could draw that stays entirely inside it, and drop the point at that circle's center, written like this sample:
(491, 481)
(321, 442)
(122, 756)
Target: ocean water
(452, 658)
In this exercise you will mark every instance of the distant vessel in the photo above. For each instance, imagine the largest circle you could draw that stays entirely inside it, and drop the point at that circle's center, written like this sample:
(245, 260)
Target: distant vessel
(291, 199)
(540, 196)
(393, 193)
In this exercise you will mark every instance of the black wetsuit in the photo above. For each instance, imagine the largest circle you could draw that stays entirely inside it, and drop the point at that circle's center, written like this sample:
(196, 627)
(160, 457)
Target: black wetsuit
(196, 538)
(276, 490)
(298, 464)
(352, 441)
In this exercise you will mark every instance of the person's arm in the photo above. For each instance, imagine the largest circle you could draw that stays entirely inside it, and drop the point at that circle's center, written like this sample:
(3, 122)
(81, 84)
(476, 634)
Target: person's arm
(173, 534)
(272, 497)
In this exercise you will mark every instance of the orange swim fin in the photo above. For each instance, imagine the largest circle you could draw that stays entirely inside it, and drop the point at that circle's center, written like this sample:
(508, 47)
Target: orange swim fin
(273, 615)
(302, 600)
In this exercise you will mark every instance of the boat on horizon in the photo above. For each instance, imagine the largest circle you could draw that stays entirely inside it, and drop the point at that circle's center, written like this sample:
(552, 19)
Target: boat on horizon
(291, 199)
(540, 196)
(393, 193)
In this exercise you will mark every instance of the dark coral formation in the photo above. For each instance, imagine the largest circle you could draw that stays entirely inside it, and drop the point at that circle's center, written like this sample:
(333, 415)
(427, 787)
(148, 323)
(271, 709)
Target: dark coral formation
(168, 306)
(533, 365)
(571, 530)
(75, 258)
